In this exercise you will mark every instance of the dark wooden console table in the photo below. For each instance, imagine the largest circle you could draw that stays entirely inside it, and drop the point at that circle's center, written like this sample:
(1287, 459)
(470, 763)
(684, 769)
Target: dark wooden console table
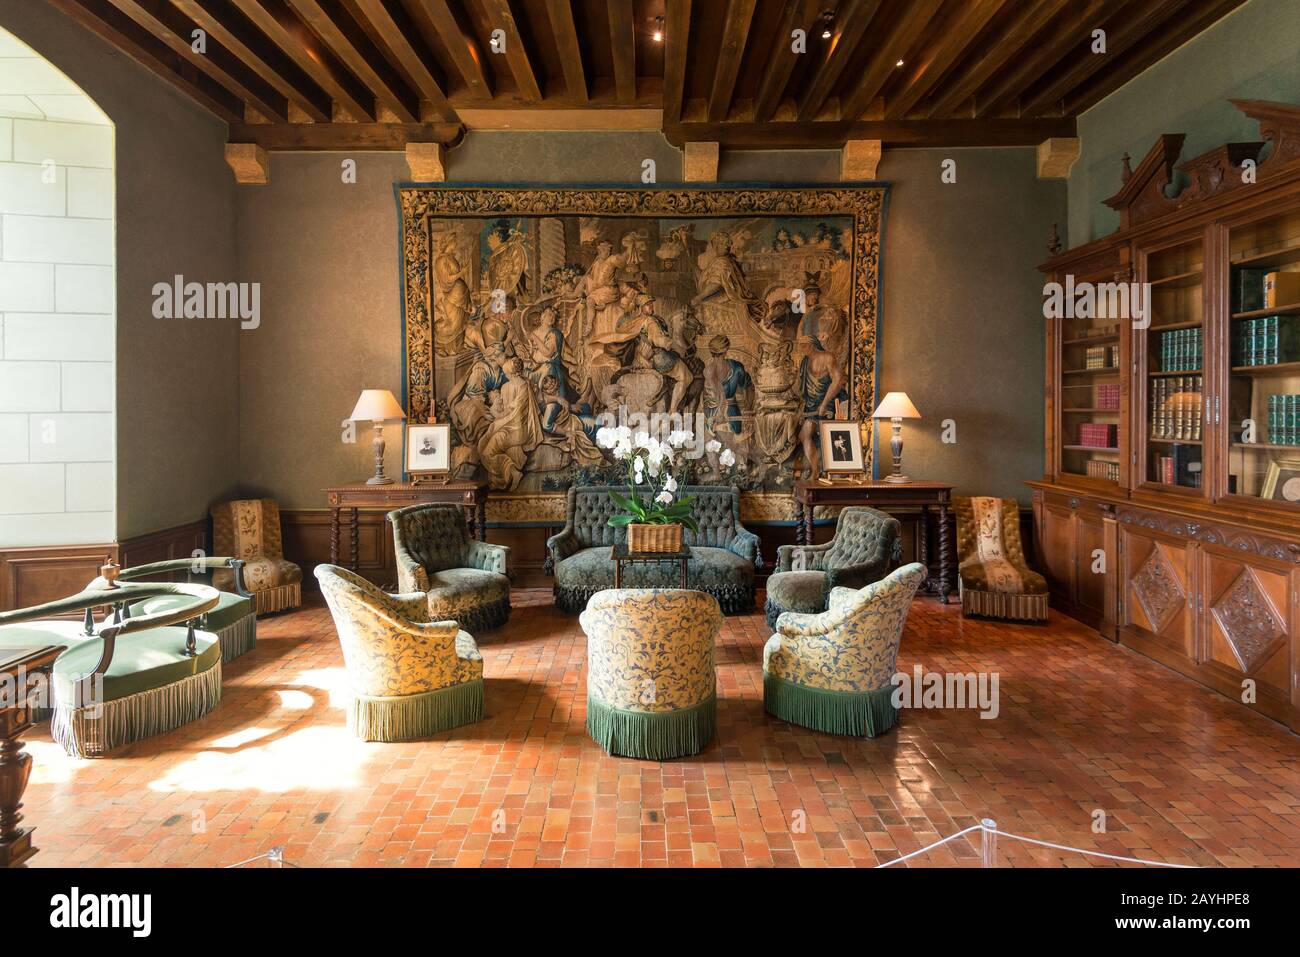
(17, 667)
(472, 496)
(885, 496)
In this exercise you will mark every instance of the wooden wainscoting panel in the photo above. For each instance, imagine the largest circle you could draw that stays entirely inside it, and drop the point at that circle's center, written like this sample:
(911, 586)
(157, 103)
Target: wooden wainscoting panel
(181, 541)
(33, 576)
(306, 536)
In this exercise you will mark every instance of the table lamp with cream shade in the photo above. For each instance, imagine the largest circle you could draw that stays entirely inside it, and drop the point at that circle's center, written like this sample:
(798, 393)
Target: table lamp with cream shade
(378, 406)
(896, 407)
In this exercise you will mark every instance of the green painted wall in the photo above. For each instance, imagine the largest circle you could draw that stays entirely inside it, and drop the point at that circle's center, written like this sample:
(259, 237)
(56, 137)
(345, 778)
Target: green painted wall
(1253, 53)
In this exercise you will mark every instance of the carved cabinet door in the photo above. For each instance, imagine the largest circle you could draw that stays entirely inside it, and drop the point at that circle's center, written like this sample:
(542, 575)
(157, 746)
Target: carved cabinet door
(1158, 605)
(1090, 535)
(1249, 626)
(1057, 551)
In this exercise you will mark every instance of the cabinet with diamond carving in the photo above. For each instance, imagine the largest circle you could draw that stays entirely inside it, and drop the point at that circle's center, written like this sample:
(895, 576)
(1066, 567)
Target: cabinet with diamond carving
(1248, 630)
(1158, 605)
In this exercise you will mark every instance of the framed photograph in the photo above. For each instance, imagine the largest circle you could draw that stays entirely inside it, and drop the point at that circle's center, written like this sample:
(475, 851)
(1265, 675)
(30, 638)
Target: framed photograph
(428, 449)
(1282, 481)
(841, 447)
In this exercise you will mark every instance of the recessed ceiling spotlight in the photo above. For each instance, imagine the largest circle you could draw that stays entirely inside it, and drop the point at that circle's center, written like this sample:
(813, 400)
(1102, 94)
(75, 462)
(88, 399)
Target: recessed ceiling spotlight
(899, 63)
(658, 35)
(828, 24)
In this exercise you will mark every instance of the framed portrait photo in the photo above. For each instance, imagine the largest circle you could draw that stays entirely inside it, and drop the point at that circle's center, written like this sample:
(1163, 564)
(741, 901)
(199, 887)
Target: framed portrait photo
(1282, 481)
(428, 449)
(841, 444)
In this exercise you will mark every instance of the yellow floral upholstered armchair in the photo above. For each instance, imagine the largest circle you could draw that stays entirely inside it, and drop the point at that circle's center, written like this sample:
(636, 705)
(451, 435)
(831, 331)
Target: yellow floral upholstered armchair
(409, 677)
(650, 677)
(832, 671)
(250, 530)
(464, 578)
(993, 577)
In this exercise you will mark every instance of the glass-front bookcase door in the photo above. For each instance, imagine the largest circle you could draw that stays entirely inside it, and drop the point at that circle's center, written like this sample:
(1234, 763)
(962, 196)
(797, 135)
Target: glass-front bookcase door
(1088, 426)
(1171, 371)
(1262, 415)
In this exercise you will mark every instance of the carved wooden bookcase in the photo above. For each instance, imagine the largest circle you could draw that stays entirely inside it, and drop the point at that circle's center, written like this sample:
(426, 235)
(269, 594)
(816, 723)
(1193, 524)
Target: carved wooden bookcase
(1172, 523)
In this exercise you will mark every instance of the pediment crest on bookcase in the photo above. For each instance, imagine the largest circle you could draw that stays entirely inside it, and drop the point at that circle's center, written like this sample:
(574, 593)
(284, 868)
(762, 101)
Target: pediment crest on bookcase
(1279, 124)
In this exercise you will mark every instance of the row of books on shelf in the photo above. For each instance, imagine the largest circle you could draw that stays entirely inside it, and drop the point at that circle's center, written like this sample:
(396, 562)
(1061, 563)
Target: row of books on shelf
(1176, 408)
(1267, 289)
(1108, 396)
(1284, 419)
(1099, 435)
(1266, 341)
(1181, 465)
(1099, 468)
(1181, 350)
(1102, 357)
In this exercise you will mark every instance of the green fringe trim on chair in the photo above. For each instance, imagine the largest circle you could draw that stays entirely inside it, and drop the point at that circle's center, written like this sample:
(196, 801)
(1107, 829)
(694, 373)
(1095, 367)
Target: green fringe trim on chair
(96, 729)
(407, 717)
(835, 712)
(652, 735)
(238, 638)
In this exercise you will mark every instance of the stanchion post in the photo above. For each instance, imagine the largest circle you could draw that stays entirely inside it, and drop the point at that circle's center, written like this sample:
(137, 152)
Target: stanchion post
(989, 833)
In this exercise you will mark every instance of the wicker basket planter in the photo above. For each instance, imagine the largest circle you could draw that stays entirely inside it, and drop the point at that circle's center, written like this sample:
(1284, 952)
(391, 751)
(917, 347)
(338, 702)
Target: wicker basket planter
(654, 538)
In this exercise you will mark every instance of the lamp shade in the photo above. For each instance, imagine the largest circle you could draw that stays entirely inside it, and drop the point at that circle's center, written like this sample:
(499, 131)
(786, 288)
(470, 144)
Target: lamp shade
(895, 405)
(377, 405)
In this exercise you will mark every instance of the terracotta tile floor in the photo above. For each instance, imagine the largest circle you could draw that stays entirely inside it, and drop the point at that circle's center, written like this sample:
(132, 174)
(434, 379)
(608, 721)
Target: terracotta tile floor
(1182, 774)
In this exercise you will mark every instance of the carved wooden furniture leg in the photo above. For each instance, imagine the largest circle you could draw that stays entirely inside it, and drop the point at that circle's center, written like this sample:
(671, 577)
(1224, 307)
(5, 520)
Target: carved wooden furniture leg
(923, 547)
(481, 512)
(354, 551)
(807, 525)
(334, 536)
(15, 764)
(945, 553)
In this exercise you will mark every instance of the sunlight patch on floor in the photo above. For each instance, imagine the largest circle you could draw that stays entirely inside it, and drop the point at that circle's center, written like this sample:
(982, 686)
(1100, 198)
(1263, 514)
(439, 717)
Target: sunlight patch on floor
(319, 758)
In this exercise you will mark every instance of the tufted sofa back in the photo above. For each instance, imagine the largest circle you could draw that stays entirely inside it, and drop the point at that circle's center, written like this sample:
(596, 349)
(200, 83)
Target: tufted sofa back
(716, 508)
(865, 535)
(433, 534)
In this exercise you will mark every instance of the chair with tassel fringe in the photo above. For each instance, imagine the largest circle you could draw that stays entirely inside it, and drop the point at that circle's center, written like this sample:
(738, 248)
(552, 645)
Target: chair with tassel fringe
(131, 678)
(410, 677)
(650, 678)
(233, 621)
(832, 671)
(993, 578)
(249, 529)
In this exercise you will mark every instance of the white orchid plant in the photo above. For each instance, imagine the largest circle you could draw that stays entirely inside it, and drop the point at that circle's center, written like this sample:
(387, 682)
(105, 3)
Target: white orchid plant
(659, 464)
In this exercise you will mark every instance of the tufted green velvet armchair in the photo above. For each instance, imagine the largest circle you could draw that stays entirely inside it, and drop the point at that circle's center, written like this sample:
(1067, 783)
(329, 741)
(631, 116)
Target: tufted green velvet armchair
(465, 580)
(834, 671)
(867, 545)
(724, 554)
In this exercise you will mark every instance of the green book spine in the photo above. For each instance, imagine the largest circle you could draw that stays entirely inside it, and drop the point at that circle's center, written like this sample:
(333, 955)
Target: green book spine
(1270, 347)
(1252, 342)
(1292, 427)
(1272, 421)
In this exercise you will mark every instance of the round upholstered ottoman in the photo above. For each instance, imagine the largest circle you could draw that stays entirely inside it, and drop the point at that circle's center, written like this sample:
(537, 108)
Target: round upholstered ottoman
(804, 592)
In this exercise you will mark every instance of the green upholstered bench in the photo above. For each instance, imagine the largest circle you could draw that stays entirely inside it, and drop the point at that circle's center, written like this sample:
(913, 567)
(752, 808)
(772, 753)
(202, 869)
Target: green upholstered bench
(135, 676)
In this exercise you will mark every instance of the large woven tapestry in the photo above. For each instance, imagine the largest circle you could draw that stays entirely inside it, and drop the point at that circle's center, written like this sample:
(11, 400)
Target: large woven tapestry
(532, 316)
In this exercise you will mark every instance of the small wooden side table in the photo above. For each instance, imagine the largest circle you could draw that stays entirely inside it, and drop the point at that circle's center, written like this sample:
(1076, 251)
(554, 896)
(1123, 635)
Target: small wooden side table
(472, 496)
(887, 497)
(17, 667)
(620, 555)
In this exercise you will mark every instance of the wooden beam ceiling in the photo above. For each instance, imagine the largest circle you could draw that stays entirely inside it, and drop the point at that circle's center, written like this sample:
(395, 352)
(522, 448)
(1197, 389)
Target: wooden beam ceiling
(299, 73)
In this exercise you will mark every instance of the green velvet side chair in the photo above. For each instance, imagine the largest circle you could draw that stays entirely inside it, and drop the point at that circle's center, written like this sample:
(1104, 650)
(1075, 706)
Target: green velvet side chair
(410, 677)
(866, 546)
(650, 677)
(832, 671)
(465, 580)
(129, 679)
(233, 621)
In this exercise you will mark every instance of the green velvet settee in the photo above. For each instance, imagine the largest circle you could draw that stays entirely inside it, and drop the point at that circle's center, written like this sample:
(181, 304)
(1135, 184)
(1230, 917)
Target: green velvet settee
(724, 554)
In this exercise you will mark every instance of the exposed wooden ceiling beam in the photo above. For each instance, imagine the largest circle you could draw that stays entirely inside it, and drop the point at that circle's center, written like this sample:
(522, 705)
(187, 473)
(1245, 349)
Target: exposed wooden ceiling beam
(287, 32)
(735, 31)
(954, 40)
(1065, 33)
(400, 36)
(350, 45)
(622, 46)
(781, 58)
(344, 136)
(1121, 33)
(499, 12)
(268, 61)
(140, 45)
(560, 13)
(1207, 14)
(851, 24)
(892, 133)
(174, 30)
(461, 46)
(906, 31)
(996, 55)
(677, 42)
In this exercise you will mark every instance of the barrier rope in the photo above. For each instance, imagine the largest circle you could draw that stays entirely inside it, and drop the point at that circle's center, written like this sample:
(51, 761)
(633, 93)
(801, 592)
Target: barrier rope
(275, 855)
(988, 827)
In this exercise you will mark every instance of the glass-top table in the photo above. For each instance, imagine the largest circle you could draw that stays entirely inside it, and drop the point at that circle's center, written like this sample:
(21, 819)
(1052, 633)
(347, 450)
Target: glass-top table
(620, 555)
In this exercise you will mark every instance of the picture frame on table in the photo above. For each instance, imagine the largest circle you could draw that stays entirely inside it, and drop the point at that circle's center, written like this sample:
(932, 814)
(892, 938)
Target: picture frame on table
(841, 446)
(428, 450)
(1282, 480)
